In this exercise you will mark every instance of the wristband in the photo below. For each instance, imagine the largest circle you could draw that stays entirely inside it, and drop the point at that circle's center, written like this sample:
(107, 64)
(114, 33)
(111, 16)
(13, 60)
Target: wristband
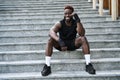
(76, 18)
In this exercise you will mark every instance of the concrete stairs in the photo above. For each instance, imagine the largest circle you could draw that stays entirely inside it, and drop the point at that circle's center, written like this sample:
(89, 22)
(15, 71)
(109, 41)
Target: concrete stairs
(24, 27)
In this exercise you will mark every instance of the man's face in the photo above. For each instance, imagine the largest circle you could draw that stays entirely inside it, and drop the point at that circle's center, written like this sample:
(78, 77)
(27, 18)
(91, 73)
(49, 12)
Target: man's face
(67, 14)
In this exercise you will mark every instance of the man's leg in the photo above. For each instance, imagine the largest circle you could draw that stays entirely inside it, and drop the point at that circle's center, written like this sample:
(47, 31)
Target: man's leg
(82, 41)
(48, 53)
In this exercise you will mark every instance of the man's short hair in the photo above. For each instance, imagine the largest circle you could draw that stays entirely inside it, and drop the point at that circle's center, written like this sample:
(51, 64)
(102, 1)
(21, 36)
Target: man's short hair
(69, 7)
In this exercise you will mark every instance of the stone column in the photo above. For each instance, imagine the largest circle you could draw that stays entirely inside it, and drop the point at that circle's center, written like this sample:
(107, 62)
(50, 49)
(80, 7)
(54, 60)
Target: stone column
(101, 7)
(117, 12)
(114, 10)
(94, 4)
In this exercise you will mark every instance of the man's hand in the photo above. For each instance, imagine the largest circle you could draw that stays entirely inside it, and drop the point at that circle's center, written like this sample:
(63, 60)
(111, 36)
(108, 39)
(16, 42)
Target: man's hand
(61, 42)
(62, 45)
(75, 15)
(64, 48)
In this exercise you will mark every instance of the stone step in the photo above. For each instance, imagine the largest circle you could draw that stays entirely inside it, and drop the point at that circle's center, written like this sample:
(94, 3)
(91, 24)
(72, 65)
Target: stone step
(46, 0)
(52, 1)
(63, 75)
(43, 11)
(42, 18)
(45, 17)
(43, 22)
(45, 28)
(25, 46)
(43, 7)
(17, 4)
(41, 38)
(39, 13)
(40, 54)
(103, 64)
(104, 36)
(104, 23)
(42, 2)
(45, 32)
(103, 29)
(49, 24)
(37, 21)
(46, 8)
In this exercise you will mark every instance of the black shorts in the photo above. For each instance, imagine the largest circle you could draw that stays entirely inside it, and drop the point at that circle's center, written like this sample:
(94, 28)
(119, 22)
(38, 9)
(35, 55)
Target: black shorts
(70, 45)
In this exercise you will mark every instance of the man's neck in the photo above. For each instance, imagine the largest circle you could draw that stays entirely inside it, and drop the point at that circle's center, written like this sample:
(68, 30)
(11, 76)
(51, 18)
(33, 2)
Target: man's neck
(68, 23)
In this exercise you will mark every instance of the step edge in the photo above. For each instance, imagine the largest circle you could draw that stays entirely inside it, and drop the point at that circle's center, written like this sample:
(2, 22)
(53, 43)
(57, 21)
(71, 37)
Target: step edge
(61, 74)
(42, 51)
(55, 61)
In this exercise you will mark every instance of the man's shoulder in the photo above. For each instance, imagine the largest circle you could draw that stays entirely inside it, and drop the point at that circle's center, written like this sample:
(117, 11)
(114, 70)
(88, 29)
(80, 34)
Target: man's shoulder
(62, 21)
(59, 22)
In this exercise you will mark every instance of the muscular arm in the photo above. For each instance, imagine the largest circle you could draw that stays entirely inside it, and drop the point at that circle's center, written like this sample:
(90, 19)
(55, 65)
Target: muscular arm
(80, 29)
(54, 30)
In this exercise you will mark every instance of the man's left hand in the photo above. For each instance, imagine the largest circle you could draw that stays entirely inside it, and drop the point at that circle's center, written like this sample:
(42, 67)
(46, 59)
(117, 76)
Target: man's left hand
(64, 48)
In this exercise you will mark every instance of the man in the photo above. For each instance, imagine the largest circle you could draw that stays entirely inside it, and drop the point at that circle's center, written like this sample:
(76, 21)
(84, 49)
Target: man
(67, 28)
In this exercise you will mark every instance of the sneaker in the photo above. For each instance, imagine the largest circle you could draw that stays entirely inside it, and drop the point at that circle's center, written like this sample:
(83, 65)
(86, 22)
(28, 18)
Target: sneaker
(90, 69)
(46, 70)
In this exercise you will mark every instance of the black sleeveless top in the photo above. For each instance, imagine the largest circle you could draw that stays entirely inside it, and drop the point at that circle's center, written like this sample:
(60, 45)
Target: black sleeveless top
(68, 32)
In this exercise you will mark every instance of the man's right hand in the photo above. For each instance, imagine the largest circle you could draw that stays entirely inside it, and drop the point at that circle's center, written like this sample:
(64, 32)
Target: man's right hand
(61, 42)
(75, 15)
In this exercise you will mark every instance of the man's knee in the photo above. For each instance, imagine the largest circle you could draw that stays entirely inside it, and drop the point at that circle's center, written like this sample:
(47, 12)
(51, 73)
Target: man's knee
(52, 42)
(83, 38)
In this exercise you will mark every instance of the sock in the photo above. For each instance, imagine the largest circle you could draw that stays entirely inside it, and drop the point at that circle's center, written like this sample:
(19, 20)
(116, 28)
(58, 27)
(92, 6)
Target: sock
(47, 59)
(87, 58)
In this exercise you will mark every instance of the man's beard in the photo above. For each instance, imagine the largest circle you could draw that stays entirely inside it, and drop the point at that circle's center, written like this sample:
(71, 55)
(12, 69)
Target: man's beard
(68, 20)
